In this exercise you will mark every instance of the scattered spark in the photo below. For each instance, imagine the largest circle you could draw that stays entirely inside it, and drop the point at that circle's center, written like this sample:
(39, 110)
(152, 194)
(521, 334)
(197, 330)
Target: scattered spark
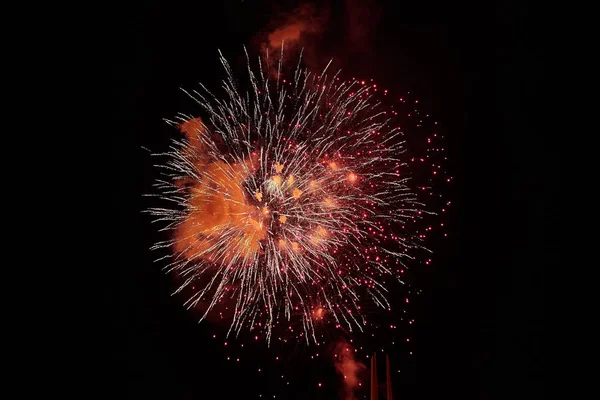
(289, 203)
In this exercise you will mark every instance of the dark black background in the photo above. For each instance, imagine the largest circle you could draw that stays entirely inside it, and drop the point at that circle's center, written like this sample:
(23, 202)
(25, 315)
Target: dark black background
(477, 67)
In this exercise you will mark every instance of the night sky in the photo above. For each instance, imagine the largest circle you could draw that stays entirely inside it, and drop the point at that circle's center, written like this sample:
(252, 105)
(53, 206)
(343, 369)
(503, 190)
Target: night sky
(474, 66)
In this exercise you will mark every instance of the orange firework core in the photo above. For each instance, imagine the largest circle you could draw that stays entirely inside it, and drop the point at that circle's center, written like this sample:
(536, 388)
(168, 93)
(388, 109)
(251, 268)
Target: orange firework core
(218, 205)
(226, 224)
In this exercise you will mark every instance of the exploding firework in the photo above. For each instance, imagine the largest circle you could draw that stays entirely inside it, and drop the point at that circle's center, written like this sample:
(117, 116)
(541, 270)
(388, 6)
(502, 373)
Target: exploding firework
(290, 201)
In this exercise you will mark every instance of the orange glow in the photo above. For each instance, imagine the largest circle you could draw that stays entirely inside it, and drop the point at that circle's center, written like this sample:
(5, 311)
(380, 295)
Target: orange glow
(319, 313)
(282, 219)
(352, 177)
(290, 180)
(319, 234)
(297, 192)
(333, 165)
(278, 168)
(277, 179)
(192, 129)
(219, 209)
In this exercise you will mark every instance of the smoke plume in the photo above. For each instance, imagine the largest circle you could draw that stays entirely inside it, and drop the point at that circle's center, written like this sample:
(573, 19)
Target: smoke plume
(342, 31)
(296, 30)
(349, 368)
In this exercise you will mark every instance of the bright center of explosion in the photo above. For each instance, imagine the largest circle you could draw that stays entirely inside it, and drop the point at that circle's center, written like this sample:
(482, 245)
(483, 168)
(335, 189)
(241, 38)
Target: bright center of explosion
(288, 204)
(282, 209)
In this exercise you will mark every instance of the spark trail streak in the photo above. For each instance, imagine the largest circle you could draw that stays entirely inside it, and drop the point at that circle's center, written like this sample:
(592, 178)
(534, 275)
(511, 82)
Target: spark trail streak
(287, 200)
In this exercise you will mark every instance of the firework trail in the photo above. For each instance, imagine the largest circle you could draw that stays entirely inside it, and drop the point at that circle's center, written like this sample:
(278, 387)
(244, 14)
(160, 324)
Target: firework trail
(289, 200)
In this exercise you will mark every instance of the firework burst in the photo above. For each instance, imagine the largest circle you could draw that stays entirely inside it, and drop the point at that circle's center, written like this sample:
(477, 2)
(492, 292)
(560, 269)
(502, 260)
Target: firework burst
(290, 201)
